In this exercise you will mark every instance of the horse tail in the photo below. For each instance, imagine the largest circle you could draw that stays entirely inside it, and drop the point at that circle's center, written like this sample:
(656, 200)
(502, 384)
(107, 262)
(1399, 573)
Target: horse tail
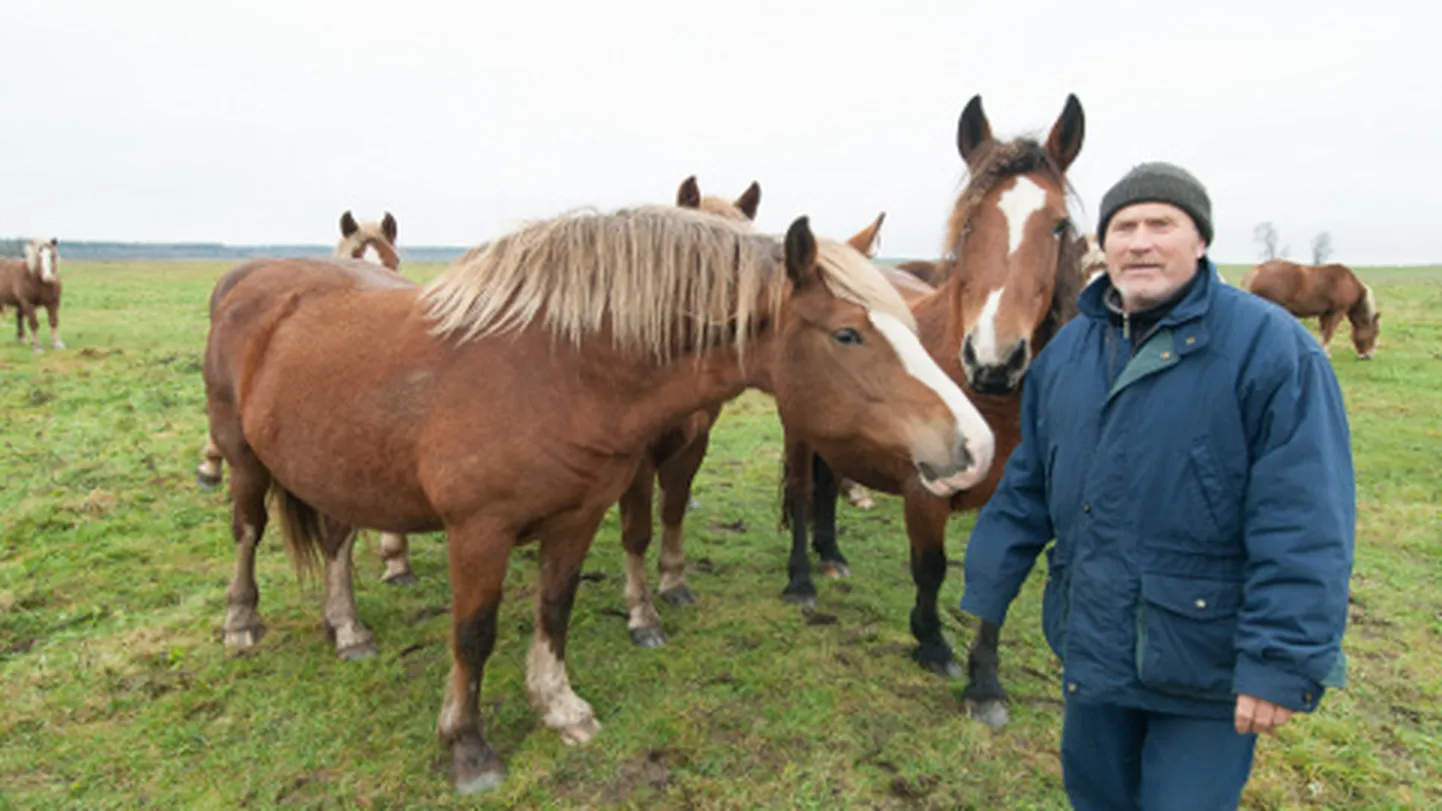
(304, 529)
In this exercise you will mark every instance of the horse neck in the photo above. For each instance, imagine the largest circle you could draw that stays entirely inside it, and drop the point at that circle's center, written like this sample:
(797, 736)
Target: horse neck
(659, 395)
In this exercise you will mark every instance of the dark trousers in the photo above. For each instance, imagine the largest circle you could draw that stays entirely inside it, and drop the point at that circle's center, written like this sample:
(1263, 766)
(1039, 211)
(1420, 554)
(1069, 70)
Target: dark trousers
(1115, 759)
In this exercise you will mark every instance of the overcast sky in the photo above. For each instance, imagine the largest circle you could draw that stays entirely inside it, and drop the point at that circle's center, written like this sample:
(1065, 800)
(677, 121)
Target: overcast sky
(261, 121)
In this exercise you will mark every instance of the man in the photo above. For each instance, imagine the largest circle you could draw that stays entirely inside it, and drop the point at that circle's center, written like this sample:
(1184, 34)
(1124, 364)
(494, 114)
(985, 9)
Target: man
(1186, 445)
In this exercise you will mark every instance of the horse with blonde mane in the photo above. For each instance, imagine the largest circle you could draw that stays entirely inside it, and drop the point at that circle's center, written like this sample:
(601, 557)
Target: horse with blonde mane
(32, 283)
(512, 399)
(1008, 281)
(1327, 292)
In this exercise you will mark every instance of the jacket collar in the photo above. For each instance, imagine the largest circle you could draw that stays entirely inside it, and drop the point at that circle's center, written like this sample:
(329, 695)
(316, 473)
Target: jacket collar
(1095, 299)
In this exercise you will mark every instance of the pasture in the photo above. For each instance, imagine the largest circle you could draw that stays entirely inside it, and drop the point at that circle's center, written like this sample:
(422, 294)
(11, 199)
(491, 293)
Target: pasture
(117, 691)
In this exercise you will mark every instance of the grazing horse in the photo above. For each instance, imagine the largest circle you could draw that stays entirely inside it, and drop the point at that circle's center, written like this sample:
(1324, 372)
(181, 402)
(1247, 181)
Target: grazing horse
(513, 398)
(671, 461)
(375, 243)
(1008, 281)
(1328, 291)
(31, 283)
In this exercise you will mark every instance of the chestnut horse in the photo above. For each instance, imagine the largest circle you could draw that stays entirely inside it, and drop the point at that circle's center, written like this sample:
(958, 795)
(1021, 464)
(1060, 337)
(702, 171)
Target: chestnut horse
(32, 283)
(1328, 291)
(1008, 282)
(513, 398)
(671, 461)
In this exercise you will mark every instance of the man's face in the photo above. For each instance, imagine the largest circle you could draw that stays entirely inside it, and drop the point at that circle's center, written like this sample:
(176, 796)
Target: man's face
(1152, 251)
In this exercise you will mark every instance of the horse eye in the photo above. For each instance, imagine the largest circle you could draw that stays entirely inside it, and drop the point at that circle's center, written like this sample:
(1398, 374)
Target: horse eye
(848, 337)
(1061, 227)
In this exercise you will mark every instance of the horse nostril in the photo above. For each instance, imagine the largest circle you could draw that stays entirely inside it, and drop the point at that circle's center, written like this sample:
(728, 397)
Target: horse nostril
(927, 471)
(964, 459)
(968, 354)
(1016, 361)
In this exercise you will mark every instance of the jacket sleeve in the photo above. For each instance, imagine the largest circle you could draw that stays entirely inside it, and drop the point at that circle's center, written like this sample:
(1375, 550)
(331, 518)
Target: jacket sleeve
(1300, 519)
(1014, 525)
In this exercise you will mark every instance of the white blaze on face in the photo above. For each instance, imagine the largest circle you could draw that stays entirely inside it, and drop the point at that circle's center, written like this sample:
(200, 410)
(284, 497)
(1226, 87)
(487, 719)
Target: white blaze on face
(980, 442)
(1017, 204)
(983, 335)
(47, 263)
(372, 254)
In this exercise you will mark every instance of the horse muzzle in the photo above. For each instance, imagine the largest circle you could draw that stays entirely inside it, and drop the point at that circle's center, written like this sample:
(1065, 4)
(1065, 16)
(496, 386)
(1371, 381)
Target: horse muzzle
(971, 460)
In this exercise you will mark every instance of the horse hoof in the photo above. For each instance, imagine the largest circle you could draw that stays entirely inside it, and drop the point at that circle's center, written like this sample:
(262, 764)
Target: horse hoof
(679, 597)
(862, 502)
(806, 602)
(357, 652)
(59, 344)
(206, 481)
(835, 570)
(244, 637)
(947, 670)
(648, 637)
(474, 766)
(406, 578)
(581, 732)
(991, 713)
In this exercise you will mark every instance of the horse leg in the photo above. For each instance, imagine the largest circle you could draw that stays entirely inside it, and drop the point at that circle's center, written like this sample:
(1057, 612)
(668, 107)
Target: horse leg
(207, 475)
(20, 323)
(676, 476)
(984, 696)
(800, 590)
(1328, 323)
(477, 561)
(249, 482)
(395, 554)
(926, 517)
(342, 623)
(546, 681)
(53, 311)
(823, 532)
(856, 495)
(34, 329)
(642, 620)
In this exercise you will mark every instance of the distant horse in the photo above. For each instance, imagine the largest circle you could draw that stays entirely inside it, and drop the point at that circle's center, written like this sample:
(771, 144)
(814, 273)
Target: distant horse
(514, 396)
(373, 242)
(1094, 260)
(32, 283)
(672, 461)
(1328, 291)
(1008, 282)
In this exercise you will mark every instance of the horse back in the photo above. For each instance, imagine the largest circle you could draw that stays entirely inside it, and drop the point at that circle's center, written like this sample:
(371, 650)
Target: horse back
(911, 287)
(1305, 290)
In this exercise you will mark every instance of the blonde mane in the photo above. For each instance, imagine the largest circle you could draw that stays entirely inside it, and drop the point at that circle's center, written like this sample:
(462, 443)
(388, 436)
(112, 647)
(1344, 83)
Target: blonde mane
(657, 278)
(1367, 304)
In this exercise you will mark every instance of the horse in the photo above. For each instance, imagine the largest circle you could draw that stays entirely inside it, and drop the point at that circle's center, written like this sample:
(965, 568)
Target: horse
(671, 461)
(31, 283)
(370, 241)
(1008, 281)
(1094, 259)
(1329, 291)
(512, 398)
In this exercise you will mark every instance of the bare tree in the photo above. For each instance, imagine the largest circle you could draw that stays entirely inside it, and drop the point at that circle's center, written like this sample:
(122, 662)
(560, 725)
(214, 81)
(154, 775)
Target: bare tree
(1265, 235)
(1321, 247)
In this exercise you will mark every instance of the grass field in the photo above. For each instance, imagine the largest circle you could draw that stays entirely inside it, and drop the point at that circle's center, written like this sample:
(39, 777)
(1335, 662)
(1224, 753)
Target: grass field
(116, 693)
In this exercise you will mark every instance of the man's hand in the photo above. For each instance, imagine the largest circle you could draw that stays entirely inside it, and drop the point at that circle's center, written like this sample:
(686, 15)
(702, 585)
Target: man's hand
(1261, 717)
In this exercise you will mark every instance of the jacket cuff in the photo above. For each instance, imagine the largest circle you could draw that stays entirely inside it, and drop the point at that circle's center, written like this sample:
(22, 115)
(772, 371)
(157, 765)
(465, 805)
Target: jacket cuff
(987, 607)
(1271, 683)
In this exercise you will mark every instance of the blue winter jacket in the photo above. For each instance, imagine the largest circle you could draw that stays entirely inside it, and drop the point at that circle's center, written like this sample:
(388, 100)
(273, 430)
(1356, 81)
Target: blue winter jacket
(1200, 491)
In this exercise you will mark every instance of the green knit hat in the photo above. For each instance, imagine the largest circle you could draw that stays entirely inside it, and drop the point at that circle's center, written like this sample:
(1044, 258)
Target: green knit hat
(1159, 182)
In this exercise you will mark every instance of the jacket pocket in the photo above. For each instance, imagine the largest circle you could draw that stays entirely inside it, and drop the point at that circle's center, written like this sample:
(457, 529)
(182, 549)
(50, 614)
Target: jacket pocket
(1186, 635)
(1055, 606)
(1212, 491)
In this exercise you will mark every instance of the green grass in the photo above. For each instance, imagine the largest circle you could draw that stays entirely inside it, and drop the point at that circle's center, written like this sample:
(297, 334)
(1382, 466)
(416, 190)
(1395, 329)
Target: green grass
(118, 694)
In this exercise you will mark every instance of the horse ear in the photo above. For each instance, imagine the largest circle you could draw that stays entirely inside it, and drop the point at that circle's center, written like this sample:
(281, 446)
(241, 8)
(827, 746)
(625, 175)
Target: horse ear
(800, 252)
(750, 200)
(973, 131)
(1065, 141)
(54, 242)
(389, 228)
(689, 195)
(347, 224)
(867, 239)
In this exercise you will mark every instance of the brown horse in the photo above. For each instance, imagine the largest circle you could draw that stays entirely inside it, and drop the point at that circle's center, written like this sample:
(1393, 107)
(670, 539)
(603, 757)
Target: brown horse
(370, 241)
(1008, 282)
(513, 397)
(32, 283)
(1328, 291)
(671, 461)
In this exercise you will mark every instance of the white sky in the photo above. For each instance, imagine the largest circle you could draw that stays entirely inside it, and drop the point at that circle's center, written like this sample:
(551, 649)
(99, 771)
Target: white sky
(261, 121)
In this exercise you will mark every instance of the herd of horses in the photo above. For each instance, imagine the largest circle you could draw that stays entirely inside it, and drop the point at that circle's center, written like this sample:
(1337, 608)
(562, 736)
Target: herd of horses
(581, 361)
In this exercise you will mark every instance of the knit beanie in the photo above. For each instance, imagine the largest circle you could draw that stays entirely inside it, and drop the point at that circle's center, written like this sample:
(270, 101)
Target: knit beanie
(1158, 182)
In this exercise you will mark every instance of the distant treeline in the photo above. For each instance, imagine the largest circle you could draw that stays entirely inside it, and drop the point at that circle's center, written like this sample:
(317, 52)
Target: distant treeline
(74, 249)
